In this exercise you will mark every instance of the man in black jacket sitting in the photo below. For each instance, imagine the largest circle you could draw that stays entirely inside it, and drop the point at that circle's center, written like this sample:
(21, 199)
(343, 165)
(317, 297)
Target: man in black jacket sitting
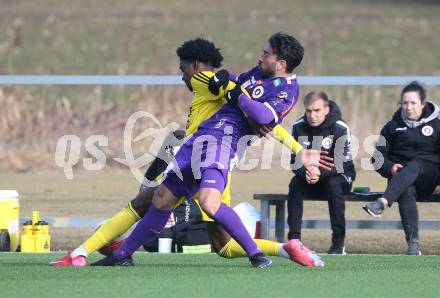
(322, 128)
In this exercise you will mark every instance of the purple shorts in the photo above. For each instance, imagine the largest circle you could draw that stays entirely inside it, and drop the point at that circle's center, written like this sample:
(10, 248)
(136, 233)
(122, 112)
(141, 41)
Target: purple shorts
(203, 161)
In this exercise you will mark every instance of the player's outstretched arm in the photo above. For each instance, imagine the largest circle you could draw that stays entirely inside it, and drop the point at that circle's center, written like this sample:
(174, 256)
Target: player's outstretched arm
(258, 114)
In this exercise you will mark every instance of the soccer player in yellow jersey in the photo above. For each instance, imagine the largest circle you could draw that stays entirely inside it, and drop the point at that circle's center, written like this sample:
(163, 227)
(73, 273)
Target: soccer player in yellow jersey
(198, 60)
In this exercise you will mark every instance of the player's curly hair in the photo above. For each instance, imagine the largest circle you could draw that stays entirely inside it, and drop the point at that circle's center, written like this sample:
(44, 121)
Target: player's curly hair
(286, 47)
(201, 50)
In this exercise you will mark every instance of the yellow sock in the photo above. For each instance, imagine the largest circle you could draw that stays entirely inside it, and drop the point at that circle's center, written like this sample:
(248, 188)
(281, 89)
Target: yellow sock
(111, 229)
(233, 250)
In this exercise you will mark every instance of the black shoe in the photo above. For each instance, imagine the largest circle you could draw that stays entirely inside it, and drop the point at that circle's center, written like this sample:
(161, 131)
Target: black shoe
(260, 260)
(337, 249)
(374, 208)
(414, 248)
(112, 261)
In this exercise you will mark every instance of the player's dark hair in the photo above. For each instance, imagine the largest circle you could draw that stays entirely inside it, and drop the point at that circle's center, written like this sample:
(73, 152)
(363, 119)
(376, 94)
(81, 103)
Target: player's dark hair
(314, 95)
(286, 47)
(414, 86)
(201, 50)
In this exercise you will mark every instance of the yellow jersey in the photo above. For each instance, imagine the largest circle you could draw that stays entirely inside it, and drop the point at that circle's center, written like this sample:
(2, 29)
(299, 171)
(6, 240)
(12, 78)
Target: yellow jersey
(204, 104)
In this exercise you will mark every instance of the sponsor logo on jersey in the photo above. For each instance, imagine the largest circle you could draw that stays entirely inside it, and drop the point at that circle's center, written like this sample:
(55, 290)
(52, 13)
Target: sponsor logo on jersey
(280, 98)
(276, 82)
(258, 92)
(400, 128)
(327, 142)
(282, 95)
(427, 130)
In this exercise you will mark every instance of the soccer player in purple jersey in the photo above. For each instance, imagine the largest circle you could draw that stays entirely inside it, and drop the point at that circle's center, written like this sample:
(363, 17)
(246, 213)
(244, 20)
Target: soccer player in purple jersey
(272, 96)
(204, 160)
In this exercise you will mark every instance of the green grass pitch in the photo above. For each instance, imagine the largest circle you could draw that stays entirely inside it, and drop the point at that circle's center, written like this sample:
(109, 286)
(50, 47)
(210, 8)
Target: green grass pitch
(177, 275)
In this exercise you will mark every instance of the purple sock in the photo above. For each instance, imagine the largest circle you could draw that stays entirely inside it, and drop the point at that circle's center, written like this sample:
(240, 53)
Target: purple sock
(146, 230)
(230, 221)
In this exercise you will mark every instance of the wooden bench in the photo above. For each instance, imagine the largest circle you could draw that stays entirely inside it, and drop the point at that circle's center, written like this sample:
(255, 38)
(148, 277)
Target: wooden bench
(279, 200)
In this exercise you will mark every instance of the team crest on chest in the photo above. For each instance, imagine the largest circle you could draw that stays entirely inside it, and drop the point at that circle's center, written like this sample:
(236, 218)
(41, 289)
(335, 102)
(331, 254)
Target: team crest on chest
(327, 142)
(427, 130)
(258, 92)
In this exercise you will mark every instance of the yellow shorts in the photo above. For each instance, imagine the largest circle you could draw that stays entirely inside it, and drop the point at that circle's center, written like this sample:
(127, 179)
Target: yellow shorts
(226, 199)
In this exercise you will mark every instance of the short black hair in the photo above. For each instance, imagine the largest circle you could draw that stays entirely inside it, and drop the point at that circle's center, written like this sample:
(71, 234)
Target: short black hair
(314, 95)
(201, 50)
(286, 47)
(415, 86)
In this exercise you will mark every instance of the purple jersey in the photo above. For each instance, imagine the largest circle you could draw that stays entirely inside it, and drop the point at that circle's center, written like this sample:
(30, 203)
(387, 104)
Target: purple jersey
(280, 95)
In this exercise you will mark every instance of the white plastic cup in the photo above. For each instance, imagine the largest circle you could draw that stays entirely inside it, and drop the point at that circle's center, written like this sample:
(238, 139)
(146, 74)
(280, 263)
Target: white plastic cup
(165, 245)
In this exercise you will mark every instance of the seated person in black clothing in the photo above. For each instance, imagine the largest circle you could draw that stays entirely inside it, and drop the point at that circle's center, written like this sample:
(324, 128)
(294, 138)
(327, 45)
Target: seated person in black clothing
(408, 155)
(322, 128)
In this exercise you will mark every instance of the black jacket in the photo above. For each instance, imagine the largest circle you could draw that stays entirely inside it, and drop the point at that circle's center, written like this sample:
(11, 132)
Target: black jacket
(403, 141)
(333, 136)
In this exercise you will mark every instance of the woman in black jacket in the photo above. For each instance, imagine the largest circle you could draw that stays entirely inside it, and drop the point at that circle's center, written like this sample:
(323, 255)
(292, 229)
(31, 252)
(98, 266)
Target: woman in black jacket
(408, 155)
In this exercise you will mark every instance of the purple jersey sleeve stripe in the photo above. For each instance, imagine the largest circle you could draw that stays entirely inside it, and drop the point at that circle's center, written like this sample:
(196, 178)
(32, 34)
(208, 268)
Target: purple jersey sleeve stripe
(275, 115)
(256, 111)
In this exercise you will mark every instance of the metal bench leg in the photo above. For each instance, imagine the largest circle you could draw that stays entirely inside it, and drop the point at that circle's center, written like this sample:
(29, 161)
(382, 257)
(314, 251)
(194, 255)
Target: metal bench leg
(265, 215)
(279, 221)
